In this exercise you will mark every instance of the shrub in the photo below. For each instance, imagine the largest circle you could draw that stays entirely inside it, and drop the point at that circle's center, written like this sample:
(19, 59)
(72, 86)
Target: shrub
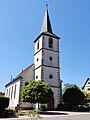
(42, 107)
(4, 102)
(73, 97)
(62, 107)
(10, 111)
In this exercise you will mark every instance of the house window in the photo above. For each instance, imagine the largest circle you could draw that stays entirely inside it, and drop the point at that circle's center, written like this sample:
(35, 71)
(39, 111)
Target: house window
(50, 43)
(38, 45)
(88, 89)
(37, 59)
(15, 91)
(26, 83)
(50, 76)
(50, 58)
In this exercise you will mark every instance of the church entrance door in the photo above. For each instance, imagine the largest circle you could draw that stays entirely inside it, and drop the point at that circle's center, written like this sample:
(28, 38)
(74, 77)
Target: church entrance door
(50, 105)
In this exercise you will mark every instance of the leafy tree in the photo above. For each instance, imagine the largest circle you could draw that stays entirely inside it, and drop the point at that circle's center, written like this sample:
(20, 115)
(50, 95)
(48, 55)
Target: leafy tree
(68, 85)
(87, 97)
(2, 93)
(73, 97)
(37, 92)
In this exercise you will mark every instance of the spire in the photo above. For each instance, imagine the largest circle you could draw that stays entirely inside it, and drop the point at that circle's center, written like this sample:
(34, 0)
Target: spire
(46, 26)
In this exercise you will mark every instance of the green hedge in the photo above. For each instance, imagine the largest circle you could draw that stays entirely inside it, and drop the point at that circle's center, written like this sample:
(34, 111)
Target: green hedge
(42, 107)
(4, 102)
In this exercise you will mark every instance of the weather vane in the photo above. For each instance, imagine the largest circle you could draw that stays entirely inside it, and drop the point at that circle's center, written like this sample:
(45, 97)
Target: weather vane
(47, 3)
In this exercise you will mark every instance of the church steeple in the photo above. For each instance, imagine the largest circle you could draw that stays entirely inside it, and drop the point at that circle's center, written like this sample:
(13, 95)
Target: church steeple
(46, 60)
(46, 26)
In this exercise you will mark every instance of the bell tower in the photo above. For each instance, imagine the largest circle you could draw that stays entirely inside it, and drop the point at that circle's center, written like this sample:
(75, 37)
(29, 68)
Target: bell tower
(46, 59)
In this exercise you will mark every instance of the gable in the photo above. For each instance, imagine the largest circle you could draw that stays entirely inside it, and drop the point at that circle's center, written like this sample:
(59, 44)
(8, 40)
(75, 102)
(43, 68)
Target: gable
(86, 86)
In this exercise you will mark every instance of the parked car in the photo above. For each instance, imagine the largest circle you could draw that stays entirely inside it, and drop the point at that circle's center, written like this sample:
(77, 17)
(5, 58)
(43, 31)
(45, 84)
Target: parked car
(83, 108)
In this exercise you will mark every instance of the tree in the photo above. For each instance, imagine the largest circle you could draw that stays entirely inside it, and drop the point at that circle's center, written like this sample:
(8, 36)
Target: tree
(73, 97)
(2, 93)
(87, 97)
(68, 85)
(37, 92)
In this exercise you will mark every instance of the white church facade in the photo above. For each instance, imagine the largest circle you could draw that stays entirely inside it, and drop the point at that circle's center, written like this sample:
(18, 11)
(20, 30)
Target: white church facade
(46, 68)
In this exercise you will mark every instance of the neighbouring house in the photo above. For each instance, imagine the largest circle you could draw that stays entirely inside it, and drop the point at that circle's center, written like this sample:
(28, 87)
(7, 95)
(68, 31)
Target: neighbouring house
(86, 86)
(46, 68)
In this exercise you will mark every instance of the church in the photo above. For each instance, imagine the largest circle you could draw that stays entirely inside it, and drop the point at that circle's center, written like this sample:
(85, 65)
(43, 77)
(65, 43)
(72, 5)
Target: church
(46, 67)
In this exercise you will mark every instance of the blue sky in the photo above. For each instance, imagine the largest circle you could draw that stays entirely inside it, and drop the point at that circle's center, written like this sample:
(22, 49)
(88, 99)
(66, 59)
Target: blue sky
(20, 24)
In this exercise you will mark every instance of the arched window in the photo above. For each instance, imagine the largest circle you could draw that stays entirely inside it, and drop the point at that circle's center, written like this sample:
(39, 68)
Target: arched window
(15, 91)
(38, 45)
(26, 83)
(50, 43)
(12, 93)
(7, 93)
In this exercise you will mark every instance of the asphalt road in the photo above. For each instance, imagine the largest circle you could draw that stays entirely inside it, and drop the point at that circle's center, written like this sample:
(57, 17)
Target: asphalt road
(70, 117)
(83, 116)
